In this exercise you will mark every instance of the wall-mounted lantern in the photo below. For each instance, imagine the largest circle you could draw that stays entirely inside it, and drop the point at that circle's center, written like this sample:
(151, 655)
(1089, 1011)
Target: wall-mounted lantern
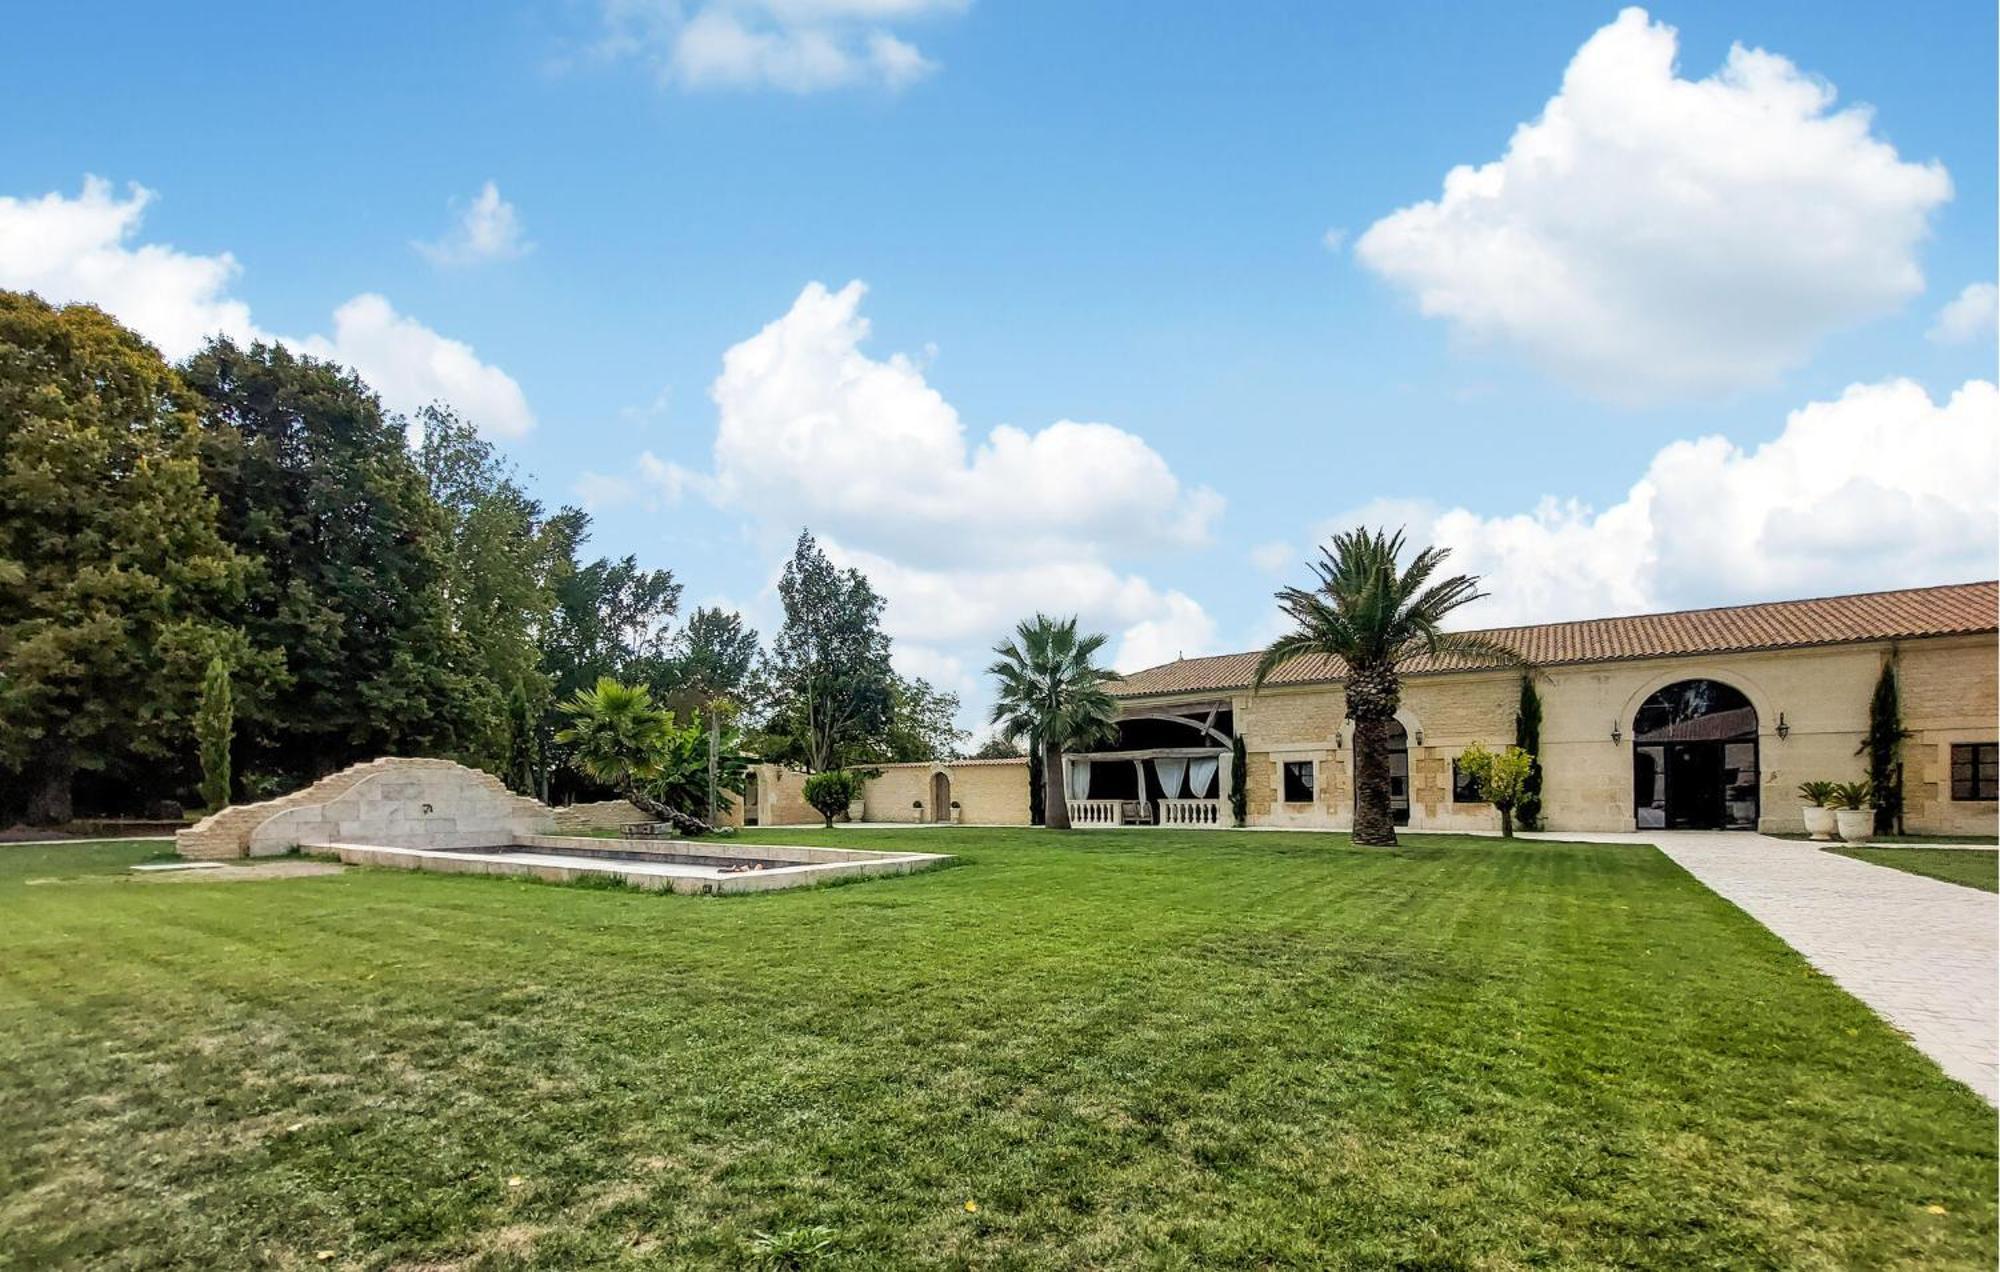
(1617, 734)
(1784, 730)
(1420, 737)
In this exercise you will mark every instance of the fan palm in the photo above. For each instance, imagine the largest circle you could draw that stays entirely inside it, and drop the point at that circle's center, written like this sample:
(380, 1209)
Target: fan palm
(618, 737)
(1373, 613)
(1052, 696)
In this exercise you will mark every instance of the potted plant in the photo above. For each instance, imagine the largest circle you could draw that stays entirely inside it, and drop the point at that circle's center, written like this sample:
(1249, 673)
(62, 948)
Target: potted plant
(1814, 807)
(954, 812)
(1854, 811)
(917, 806)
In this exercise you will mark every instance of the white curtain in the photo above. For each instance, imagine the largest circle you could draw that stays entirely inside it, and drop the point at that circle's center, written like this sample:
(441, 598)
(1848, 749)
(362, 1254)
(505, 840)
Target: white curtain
(1170, 773)
(1201, 776)
(1079, 779)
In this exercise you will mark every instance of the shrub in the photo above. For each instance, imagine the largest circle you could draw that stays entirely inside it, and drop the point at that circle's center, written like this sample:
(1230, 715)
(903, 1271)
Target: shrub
(831, 793)
(1816, 794)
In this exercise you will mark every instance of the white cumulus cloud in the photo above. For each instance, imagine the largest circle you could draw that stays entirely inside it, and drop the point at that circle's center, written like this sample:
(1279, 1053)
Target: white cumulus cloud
(797, 46)
(1651, 236)
(964, 536)
(1879, 488)
(1967, 316)
(488, 229)
(83, 249)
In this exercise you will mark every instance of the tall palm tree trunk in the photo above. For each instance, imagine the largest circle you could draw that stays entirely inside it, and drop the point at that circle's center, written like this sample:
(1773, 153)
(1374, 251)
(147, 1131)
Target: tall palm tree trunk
(1055, 803)
(1374, 823)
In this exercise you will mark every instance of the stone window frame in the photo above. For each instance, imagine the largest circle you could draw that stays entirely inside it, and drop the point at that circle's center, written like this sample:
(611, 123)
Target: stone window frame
(1281, 756)
(1987, 774)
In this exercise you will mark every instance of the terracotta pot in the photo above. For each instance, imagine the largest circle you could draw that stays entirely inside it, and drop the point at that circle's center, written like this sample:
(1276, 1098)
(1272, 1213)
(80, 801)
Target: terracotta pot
(1819, 820)
(1857, 825)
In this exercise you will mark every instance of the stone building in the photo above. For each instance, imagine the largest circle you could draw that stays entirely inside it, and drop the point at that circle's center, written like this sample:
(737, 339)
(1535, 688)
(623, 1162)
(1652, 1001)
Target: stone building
(1698, 719)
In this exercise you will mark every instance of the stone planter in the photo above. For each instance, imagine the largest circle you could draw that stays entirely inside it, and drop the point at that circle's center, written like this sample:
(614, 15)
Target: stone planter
(1857, 825)
(956, 814)
(855, 810)
(1819, 820)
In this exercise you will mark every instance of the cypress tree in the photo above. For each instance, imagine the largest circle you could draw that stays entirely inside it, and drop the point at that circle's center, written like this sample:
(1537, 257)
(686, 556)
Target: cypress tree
(1883, 746)
(214, 726)
(1528, 736)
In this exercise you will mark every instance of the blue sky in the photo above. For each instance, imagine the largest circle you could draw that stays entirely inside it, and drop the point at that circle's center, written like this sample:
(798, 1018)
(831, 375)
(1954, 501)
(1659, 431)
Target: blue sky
(1116, 214)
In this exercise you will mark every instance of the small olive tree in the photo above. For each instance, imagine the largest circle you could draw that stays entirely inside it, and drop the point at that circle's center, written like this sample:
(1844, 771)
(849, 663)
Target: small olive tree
(1502, 779)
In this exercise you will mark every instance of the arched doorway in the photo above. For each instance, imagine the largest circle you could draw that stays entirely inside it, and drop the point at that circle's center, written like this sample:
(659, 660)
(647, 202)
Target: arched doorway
(940, 797)
(1399, 773)
(1694, 758)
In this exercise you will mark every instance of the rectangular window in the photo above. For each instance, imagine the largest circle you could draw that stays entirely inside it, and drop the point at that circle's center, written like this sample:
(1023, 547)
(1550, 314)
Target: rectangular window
(1298, 781)
(1464, 787)
(1975, 770)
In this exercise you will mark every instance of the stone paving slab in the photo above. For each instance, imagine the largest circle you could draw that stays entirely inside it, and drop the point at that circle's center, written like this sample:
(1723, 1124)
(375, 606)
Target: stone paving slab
(1922, 953)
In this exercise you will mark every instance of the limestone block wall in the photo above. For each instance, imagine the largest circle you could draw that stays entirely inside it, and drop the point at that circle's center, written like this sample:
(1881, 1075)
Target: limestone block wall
(887, 798)
(1950, 694)
(394, 802)
(604, 814)
(988, 792)
(993, 793)
(779, 797)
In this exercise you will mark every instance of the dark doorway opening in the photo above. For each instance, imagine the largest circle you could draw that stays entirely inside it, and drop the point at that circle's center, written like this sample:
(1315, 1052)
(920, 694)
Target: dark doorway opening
(1399, 773)
(1694, 759)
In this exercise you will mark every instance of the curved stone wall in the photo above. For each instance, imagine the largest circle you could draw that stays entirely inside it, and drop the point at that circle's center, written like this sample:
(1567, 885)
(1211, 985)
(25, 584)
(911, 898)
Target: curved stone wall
(393, 801)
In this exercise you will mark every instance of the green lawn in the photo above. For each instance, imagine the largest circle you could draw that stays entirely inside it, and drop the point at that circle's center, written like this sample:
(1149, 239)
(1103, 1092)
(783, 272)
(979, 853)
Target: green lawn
(1125, 1048)
(1973, 867)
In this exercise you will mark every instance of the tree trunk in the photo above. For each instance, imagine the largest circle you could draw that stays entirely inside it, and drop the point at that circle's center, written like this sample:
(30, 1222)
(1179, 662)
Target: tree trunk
(49, 798)
(1506, 821)
(660, 812)
(1374, 824)
(1055, 801)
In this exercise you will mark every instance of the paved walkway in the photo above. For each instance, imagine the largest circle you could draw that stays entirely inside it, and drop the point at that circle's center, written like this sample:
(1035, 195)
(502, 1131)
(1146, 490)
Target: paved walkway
(1924, 954)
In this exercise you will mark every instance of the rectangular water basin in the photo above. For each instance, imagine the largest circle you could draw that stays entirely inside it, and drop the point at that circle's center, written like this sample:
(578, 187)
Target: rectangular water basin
(719, 866)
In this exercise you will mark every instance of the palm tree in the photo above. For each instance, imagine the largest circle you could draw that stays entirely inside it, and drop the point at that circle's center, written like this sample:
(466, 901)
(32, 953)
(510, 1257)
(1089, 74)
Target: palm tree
(1373, 614)
(1052, 696)
(618, 737)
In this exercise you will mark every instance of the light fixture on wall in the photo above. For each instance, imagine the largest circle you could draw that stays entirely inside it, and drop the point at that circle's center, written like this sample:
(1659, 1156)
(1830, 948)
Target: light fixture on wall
(1420, 737)
(1617, 734)
(1337, 735)
(1784, 730)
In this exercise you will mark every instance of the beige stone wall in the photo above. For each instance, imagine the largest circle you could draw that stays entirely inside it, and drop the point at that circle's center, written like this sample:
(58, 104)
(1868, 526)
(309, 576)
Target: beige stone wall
(393, 801)
(1949, 695)
(781, 797)
(604, 814)
(988, 794)
(887, 798)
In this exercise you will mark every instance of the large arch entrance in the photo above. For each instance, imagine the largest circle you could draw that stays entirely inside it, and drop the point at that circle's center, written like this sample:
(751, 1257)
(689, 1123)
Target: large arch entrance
(1399, 773)
(1694, 758)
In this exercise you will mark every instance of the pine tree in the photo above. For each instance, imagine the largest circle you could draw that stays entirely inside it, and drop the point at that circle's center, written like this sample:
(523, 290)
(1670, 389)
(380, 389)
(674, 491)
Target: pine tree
(214, 727)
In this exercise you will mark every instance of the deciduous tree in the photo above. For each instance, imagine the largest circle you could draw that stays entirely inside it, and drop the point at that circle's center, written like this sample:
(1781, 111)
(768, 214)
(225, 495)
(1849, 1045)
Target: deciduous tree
(115, 586)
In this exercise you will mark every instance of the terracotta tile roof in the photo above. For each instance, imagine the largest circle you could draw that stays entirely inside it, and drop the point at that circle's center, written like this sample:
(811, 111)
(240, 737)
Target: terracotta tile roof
(1953, 609)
